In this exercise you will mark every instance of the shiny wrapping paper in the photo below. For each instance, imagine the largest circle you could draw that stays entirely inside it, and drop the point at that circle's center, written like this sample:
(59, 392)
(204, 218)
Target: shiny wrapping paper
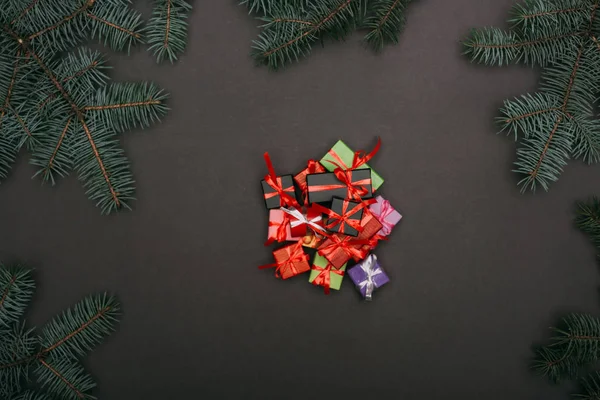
(289, 261)
(368, 275)
(386, 215)
(325, 275)
(341, 155)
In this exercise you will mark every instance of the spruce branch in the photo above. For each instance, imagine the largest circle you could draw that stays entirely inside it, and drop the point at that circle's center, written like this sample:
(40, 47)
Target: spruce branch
(558, 122)
(51, 358)
(167, 29)
(59, 106)
(291, 27)
(385, 22)
(590, 387)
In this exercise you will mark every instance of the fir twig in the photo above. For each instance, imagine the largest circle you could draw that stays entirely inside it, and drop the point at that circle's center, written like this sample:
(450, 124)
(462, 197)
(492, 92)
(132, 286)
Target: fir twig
(558, 122)
(52, 357)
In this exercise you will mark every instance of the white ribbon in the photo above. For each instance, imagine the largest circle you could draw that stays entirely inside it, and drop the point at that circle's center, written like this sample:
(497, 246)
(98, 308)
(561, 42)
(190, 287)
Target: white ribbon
(368, 266)
(302, 219)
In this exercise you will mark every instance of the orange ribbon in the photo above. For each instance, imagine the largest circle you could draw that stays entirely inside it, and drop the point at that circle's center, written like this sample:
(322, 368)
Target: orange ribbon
(275, 183)
(324, 277)
(294, 254)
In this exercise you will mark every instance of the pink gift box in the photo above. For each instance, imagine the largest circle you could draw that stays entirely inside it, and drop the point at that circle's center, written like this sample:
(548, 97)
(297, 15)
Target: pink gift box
(386, 214)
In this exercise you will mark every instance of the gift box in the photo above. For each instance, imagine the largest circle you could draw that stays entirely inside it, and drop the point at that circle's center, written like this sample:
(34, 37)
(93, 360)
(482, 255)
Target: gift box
(368, 275)
(339, 249)
(289, 261)
(324, 274)
(344, 216)
(340, 155)
(370, 226)
(279, 228)
(385, 214)
(278, 191)
(354, 185)
(303, 221)
(312, 168)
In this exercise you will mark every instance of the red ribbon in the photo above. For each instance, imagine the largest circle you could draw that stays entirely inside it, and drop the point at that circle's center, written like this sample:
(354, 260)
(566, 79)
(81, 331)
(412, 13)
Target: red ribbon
(295, 254)
(351, 247)
(344, 218)
(324, 277)
(313, 168)
(275, 183)
(360, 157)
(281, 234)
(355, 190)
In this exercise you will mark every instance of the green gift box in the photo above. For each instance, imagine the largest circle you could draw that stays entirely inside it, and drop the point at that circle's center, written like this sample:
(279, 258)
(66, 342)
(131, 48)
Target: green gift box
(346, 155)
(335, 277)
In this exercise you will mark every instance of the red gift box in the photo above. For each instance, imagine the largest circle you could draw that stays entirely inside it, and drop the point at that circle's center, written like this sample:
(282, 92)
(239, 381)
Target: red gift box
(289, 261)
(302, 222)
(339, 249)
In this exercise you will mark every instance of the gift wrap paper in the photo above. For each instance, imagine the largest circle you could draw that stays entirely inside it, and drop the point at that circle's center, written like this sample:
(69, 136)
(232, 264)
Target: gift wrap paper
(336, 279)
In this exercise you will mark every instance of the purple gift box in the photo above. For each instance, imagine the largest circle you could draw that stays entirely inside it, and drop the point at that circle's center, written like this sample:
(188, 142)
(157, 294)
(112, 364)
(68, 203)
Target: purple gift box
(386, 214)
(368, 275)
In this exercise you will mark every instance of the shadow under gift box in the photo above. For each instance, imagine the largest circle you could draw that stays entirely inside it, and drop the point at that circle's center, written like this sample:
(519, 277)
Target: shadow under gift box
(322, 188)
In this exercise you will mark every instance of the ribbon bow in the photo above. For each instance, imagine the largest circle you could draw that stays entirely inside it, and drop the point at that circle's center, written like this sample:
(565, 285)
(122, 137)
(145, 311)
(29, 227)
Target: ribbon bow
(371, 269)
(343, 219)
(281, 233)
(301, 218)
(360, 157)
(295, 254)
(324, 277)
(351, 247)
(275, 183)
(356, 189)
(385, 210)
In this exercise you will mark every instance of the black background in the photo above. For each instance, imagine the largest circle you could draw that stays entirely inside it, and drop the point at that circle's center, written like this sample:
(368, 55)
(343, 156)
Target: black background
(478, 271)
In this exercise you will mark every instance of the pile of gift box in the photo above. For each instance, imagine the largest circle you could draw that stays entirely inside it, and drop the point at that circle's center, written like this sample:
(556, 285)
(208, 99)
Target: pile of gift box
(329, 213)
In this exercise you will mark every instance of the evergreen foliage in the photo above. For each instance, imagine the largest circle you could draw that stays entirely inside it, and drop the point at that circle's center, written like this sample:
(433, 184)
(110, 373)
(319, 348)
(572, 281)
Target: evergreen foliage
(61, 107)
(50, 359)
(291, 27)
(575, 344)
(559, 121)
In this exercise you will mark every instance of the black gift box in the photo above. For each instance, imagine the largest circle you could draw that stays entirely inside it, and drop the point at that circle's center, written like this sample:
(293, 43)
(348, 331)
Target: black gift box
(337, 206)
(287, 183)
(318, 193)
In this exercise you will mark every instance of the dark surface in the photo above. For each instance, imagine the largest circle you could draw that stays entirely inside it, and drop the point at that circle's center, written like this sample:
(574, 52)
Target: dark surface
(478, 270)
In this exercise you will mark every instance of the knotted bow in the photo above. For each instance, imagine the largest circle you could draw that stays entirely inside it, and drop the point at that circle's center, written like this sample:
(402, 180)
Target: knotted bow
(300, 218)
(275, 183)
(343, 219)
(386, 210)
(280, 235)
(324, 277)
(360, 157)
(351, 247)
(371, 269)
(294, 254)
